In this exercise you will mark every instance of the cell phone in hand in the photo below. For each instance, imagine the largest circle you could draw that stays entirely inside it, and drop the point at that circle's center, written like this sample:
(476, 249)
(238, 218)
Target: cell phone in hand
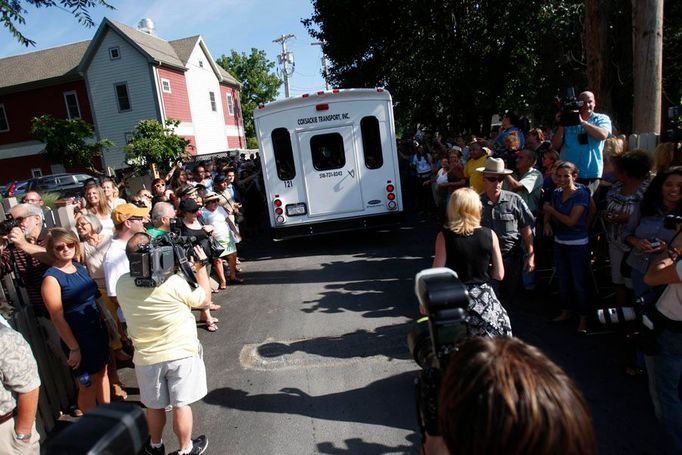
(654, 243)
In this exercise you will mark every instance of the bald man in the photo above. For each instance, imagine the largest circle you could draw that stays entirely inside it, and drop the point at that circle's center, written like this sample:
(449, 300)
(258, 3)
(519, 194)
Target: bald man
(583, 144)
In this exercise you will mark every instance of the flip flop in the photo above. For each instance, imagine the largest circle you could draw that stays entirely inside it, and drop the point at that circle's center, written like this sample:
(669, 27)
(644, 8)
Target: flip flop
(212, 326)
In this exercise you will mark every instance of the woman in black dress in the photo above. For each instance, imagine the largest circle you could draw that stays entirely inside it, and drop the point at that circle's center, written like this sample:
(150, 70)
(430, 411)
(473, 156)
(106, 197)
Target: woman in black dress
(473, 251)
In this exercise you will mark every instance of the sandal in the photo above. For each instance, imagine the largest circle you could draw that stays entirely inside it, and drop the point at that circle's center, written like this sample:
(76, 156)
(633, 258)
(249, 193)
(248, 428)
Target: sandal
(214, 307)
(117, 392)
(215, 319)
(211, 326)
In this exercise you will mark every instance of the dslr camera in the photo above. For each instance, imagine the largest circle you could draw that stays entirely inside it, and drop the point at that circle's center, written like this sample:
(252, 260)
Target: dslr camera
(8, 224)
(436, 337)
(153, 263)
(569, 108)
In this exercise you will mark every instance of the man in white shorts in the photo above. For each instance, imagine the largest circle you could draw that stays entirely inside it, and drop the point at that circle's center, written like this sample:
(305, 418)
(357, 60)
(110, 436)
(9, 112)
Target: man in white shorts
(168, 356)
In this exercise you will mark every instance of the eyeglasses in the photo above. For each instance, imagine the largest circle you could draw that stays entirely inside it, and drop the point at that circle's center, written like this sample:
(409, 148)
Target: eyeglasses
(64, 246)
(135, 218)
(494, 179)
(31, 201)
(159, 185)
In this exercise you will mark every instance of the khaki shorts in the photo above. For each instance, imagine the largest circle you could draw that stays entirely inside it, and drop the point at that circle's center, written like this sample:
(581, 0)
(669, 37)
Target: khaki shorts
(176, 382)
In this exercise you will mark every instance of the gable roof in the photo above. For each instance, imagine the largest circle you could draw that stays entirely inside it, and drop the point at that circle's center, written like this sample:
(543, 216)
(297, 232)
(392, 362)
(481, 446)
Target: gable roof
(42, 67)
(184, 47)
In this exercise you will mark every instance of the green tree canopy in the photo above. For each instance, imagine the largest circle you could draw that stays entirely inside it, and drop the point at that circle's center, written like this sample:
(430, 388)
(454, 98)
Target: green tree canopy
(155, 143)
(68, 141)
(259, 83)
(12, 13)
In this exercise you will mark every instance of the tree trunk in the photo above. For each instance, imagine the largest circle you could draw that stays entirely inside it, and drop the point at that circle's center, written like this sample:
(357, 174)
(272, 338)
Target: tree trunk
(647, 42)
(597, 52)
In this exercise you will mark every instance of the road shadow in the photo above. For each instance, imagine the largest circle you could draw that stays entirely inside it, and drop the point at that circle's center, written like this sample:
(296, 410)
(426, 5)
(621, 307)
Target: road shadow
(387, 402)
(387, 341)
(355, 446)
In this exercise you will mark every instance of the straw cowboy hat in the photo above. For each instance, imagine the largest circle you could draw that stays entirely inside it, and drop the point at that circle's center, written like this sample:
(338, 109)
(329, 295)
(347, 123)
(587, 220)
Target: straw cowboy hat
(494, 166)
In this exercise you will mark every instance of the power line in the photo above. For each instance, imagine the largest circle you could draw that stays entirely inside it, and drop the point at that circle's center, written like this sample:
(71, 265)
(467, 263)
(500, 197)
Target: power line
(285, 59)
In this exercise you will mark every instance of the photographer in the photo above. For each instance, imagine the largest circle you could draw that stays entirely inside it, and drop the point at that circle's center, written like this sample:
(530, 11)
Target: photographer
(665, 366)
(501, 395)
(168, 356)
(583, 143)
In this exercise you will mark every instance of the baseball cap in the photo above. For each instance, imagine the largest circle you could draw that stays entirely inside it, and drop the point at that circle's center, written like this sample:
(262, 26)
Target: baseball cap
(220, 178)
(127, 211)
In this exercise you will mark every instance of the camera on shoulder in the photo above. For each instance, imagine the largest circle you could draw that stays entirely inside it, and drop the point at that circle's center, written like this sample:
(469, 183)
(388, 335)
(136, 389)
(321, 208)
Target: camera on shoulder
(569, 109)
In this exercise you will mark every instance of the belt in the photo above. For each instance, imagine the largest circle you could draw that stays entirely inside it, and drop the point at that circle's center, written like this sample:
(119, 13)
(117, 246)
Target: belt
(5, 417)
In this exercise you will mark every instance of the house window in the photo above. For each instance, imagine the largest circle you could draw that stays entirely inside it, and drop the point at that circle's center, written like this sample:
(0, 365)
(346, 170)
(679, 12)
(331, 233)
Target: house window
(122, 97)
(201, 63)
(36, 172)
(230, 104)
(213, 106)
(4, 124)
(165, 86)
(114, 53)
(72, 108)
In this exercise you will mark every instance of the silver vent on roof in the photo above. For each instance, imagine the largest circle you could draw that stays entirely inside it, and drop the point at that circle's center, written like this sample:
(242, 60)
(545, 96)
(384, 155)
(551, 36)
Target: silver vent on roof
(146, 25)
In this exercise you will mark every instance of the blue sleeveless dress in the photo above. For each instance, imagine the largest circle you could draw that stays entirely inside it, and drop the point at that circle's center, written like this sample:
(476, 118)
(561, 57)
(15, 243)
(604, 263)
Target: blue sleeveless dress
(83, 316)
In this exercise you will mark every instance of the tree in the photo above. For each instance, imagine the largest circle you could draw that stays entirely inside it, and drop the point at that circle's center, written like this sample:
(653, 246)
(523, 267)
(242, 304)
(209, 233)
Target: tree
(68, 141)
(259, 83)
(155, 143)
(12, 13)
(452, 63)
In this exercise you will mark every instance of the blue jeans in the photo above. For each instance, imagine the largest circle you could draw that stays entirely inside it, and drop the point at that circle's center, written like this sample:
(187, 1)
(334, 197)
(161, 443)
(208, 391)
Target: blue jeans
(665, 368)
(572, 264)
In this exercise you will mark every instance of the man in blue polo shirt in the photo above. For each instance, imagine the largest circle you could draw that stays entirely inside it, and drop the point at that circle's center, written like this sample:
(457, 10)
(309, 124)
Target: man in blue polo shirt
(583, 144)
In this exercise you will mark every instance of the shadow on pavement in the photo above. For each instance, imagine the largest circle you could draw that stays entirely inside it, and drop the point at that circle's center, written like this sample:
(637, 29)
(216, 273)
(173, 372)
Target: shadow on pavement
(357, 446)
(386, 402)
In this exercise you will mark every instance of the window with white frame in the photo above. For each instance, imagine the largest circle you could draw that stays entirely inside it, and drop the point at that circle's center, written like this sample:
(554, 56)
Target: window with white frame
(4, 124)
(36, 172)
(72, 108)
(201, 63)
(114, 53)
(230, 104)
(122, 96)
(165, 86)
(212, 97)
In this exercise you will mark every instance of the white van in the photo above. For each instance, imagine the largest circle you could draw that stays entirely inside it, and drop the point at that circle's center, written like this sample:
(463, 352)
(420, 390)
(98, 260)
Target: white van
(329, 162)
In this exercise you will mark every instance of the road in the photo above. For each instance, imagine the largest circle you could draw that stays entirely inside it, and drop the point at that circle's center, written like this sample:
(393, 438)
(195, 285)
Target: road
(311, 356)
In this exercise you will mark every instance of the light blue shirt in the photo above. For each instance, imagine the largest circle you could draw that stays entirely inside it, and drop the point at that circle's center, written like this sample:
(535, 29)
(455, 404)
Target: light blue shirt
(588, 157)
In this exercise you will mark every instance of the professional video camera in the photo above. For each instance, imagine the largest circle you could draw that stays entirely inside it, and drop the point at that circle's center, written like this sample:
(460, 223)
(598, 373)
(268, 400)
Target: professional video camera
(154, 262)
(436, 337)
(569, 108)
(674, 131)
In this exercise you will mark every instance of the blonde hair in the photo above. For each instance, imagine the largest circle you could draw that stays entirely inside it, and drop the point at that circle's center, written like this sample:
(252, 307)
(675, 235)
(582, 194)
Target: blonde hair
(613, 146)
(663, 156)
(102, 207)
(55, 235)
(464, 211)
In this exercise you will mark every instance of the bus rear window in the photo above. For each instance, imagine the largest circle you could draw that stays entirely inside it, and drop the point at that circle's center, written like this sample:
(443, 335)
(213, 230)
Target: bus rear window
(371, 142)
(284, 154)
(327, 151)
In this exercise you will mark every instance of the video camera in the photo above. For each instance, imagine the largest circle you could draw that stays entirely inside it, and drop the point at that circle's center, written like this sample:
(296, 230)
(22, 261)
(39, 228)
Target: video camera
(436, 337)
(154, 262)
(569, 108)
(8, 224)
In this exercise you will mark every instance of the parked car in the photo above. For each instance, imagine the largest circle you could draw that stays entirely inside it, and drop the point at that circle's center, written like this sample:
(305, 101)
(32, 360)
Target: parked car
(66, 185)
(17, 188)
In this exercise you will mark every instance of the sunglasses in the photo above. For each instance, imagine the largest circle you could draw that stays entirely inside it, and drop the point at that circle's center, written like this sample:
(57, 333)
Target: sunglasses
(159, 185)
(494, 179)
(64, 246)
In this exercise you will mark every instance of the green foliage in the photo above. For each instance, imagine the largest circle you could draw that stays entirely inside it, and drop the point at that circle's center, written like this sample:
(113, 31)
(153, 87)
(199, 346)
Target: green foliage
(154, 142)
(12, 13)
(68, 141)
(50, 199)
(453, 63)
(251, 143)
(672, 50)
(259, 83)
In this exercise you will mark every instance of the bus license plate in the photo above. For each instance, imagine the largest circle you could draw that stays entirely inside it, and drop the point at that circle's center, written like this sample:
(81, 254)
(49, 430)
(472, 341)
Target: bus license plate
(296, 209)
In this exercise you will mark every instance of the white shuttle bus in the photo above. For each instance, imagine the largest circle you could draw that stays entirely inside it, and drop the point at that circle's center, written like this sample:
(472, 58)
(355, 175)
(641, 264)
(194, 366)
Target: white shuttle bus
(329, 162)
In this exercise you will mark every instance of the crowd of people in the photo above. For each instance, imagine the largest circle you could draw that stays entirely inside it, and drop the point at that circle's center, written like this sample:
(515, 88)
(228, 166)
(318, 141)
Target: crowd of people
(94, 324)
(577, 200)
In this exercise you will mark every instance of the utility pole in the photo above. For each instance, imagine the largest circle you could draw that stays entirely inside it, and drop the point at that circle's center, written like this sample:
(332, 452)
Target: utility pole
(285, 59)
(325, 70)
(647, 38)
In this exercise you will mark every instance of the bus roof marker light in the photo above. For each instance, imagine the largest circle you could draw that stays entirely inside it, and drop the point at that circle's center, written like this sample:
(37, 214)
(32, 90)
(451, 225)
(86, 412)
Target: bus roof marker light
(322, 107)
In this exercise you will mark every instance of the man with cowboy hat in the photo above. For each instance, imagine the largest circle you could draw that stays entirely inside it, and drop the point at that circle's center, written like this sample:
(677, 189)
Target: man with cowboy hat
(508, 215)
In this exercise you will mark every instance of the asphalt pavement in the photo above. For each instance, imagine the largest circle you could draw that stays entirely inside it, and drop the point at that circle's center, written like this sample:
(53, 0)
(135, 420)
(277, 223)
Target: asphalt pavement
(310, 356)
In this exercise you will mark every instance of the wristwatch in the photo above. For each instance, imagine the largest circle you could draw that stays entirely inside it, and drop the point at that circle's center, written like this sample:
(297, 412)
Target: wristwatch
(22, 436)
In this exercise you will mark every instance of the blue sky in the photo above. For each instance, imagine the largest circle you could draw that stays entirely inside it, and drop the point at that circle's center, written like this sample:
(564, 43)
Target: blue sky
(224, 25)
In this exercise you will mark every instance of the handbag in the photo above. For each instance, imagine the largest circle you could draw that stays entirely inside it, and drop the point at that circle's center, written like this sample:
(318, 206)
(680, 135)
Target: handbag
(216, 248)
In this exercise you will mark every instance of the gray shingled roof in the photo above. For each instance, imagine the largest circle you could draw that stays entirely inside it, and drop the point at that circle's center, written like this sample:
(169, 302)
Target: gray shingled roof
(184, 47)
(157, 48)
(41, 65)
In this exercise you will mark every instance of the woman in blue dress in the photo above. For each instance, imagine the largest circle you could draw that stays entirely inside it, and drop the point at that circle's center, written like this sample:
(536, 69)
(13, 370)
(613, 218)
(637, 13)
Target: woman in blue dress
(69, 294)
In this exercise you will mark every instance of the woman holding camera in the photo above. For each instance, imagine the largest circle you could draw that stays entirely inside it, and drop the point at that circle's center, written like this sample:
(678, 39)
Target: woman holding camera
(469, 249)
(646, 232)
(69, 294)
